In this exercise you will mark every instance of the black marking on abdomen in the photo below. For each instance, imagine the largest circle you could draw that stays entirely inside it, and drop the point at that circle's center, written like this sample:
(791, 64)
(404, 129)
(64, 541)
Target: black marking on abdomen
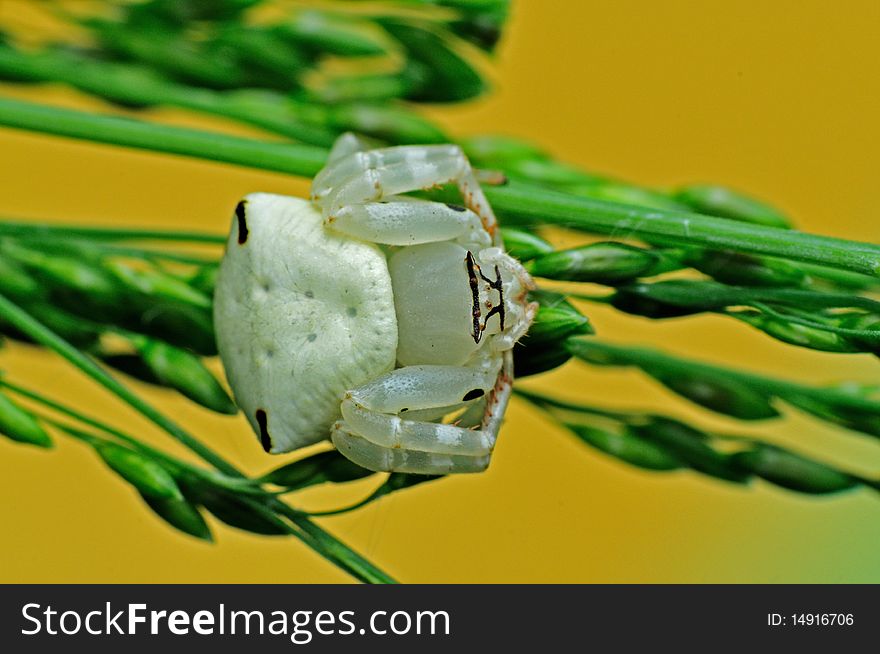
(473, 394)
(456, 207)
(242, 222)
(265, 439)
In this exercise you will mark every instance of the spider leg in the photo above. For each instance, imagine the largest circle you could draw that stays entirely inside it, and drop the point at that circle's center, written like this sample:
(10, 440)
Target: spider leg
(371, 176)
(383, 459)
(347, 144)
(409, 222)
(373, 426)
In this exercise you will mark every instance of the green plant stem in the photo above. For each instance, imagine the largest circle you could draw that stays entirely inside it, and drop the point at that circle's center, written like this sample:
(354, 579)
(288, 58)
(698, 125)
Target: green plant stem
(303, 160)
(535, 206)
(328, 546)
(651, 359)
(21, 229)
(231, 483)
(21, 320)
(516, 200)
(109, 249)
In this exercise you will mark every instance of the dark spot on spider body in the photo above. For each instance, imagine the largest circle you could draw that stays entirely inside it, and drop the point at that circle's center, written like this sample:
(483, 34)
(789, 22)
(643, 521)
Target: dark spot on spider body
(351, 311)
(262, 420)
(456, 207)
(473, 395)
(242, 222)
(309, 294)
(311, 338)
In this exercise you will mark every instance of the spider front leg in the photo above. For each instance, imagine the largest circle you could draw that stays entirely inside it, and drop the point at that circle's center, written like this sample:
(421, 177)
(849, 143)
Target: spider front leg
(404, 221)
(371, 176)
(374, 435)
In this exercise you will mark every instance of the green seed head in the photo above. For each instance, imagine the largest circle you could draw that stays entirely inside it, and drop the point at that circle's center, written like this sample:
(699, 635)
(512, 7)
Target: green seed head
(605, 263)
(143, 473)
(21, 425)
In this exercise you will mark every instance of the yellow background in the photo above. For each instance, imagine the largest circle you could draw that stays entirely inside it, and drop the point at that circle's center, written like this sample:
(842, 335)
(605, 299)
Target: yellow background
(777, 98)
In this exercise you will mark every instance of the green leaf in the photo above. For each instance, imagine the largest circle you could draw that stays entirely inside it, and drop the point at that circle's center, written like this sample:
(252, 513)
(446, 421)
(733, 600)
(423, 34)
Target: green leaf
(143, 473)
(20, 425)
(316, 469)
(180, 514)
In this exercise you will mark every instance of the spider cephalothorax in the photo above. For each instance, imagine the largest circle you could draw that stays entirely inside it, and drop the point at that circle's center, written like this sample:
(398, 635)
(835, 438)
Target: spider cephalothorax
(400, 353)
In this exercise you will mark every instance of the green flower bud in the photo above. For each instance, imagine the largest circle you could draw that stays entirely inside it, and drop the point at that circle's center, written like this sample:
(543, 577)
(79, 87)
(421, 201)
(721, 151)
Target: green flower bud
(797, 334)
(181, 515)
(717, 393)
(157, 284)
(627, 194)
(387, 122)
(745, 270)
(16, 283)
(316, 469)
(845, 415)
(20, 425)
(492, 150)
(333, 34)
(234, 510)
(723, 202)
(450, 77)
(692, 447)
(143, 473)
(185, 372)
(555, 320)
(628, 447)
(535, 359)
(792, 471)
(523, 245)
(603, 263)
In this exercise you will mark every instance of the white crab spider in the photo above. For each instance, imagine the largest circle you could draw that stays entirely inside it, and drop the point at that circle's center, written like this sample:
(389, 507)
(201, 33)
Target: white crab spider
(323, 332)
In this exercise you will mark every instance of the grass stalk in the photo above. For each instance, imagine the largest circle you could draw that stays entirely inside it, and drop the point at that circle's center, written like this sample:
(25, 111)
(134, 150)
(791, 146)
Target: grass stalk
(520, 201)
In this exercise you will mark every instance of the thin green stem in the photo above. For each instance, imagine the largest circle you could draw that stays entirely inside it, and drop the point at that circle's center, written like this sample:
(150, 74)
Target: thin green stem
(18, 228)
(303, 160)
(331, 548)
(108, 249)
(651, 359)
(23, 321)
(232, 483)
(516, 200)
(531, 205)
